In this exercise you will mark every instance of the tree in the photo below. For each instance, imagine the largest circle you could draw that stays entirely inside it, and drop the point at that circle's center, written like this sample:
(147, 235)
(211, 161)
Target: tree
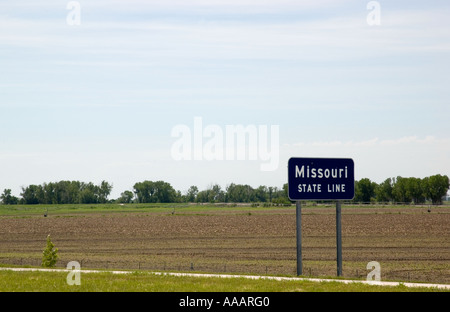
(142, 191)
(415, 190)
(155, 192)
(66, 192)
(88, 193)
(8, 199)
(286, 192)
(103, 191)
(191, 194)
(270, 193)
(32, 195)
(437, 187)
(239, 193)
(202, 196)
(164, 192)
(261, 194)
(280, 196)
(49, 255)
(383, 191)
(216, 194)
(364, 190)
(400, 191)
(126, 197)
(71, 192)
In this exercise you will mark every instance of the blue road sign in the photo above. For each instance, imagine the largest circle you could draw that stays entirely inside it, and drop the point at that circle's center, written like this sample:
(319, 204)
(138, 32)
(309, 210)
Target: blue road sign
(321, 179)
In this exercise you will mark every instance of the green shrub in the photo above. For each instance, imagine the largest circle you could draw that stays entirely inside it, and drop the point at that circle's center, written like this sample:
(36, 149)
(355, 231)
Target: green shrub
(49, 255)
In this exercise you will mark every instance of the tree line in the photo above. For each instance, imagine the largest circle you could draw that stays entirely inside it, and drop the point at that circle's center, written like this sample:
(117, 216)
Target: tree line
(400, 189)
(404, 190)
(76, 192)
(62, 192)
(163, 192)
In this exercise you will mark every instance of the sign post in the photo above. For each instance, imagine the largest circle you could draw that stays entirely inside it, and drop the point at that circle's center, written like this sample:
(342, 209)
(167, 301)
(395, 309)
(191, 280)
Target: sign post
(320, 179)
(338, 238)
(298, 216)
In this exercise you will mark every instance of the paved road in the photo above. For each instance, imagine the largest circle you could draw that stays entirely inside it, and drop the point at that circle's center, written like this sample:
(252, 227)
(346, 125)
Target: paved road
(277, 278)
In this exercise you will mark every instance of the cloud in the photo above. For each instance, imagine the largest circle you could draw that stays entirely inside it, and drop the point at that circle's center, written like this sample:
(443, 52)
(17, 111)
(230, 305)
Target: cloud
(256, 57)
(379, 159)
(411, 140)
(107, 24)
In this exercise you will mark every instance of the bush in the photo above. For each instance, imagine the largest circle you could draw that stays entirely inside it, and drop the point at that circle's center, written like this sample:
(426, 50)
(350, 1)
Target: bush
(49, 255)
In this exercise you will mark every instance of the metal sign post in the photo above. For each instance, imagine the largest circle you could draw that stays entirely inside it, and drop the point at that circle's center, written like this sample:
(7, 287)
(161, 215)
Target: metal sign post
(338, 238)
(320, 179)
(298, 216)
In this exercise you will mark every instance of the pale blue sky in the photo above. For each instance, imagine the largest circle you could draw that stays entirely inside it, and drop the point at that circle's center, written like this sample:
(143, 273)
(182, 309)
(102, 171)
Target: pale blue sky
(98, 101)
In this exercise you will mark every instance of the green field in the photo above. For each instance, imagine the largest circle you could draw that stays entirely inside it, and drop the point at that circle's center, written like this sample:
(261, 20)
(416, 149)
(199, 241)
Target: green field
(139, 281)
(33, 210)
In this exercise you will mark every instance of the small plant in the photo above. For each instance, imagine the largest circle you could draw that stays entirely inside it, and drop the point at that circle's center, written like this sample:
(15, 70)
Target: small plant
(49, 255)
